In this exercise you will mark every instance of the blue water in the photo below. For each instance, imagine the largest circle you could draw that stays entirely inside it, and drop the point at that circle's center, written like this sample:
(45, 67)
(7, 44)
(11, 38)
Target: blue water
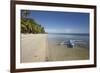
(59, 37)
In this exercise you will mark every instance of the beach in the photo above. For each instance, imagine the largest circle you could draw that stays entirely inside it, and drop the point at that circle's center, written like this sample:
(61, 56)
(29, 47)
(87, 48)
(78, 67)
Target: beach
(37, 48)
(33, 47)
(62, 53)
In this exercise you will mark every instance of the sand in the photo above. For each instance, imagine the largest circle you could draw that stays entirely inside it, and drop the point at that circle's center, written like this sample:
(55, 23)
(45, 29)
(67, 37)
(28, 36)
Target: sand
(33, 47)
(36, 48)
(62, 53)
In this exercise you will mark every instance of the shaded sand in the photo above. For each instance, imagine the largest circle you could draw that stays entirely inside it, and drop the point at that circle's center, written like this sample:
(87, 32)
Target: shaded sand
(62, 53)
(33, 47)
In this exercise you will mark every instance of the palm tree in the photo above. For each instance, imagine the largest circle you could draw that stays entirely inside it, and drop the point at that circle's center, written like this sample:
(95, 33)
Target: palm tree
(25, 13)
(29, 25)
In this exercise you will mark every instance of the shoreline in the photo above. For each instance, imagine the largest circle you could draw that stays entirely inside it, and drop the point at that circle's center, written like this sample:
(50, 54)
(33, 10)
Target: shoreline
(62, 53)
(37, 48)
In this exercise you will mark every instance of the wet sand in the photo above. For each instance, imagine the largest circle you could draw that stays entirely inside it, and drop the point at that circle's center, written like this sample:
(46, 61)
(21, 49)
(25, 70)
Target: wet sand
(63, 53)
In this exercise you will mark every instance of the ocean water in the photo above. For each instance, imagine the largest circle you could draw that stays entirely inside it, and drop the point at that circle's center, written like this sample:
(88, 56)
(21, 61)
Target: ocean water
(60, 37)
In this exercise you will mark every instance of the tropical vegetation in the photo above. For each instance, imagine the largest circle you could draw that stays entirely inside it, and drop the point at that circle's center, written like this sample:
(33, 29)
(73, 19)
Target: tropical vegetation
(29, 25)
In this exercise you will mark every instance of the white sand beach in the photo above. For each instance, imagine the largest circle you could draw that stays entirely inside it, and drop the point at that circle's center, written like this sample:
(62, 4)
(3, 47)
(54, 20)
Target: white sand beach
(35, 48)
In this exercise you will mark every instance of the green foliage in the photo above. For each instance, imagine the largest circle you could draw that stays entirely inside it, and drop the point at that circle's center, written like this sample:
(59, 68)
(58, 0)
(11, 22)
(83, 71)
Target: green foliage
(29, 25)
(24, 13)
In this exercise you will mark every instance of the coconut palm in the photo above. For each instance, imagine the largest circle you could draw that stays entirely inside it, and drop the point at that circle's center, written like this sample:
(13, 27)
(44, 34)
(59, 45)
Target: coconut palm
(29, 25)
(25, 13)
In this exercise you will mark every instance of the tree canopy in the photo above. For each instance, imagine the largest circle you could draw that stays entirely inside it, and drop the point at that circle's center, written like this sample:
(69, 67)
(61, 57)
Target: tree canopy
(29, 25)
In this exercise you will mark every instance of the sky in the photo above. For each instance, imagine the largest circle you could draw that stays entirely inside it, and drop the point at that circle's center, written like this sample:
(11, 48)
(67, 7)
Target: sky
(62, 22)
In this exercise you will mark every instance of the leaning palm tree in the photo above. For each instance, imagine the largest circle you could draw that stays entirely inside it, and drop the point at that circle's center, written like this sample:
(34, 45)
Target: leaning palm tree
(29, 25)
(25, 13)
